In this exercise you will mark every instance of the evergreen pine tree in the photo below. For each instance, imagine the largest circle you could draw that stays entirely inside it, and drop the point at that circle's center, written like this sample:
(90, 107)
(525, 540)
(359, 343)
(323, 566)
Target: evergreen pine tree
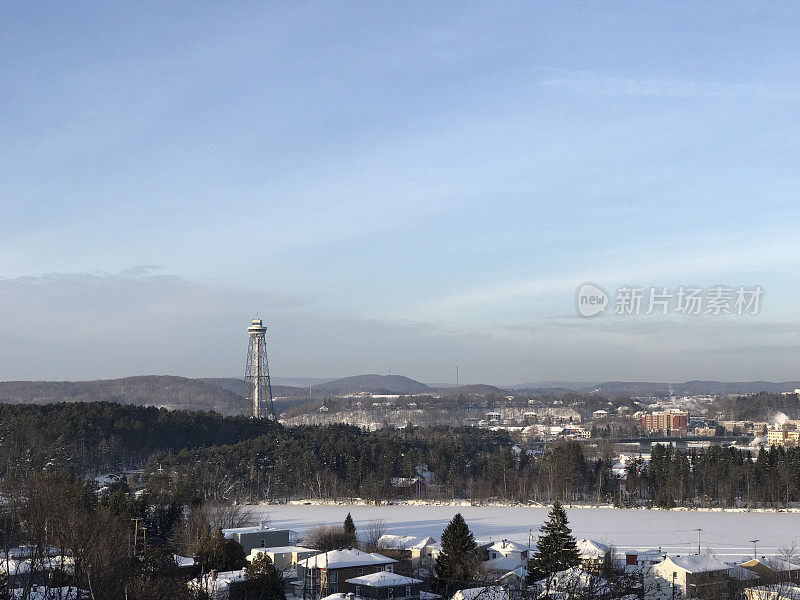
(556, 549)
(263, 581)
(350, 530)
(457, 564)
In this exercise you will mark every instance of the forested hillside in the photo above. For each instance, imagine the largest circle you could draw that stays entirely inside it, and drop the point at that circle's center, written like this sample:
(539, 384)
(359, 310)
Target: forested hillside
(107, 436)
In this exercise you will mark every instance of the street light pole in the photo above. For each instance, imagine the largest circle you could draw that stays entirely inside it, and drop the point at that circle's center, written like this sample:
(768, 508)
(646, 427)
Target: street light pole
(755, 554)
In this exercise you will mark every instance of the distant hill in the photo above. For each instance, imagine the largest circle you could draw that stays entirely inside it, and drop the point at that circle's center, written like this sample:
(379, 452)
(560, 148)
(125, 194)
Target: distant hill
(301, 382)
(235, 385)
(575, 386)
(371, 384)
(478, 389)
(695, 387)
(166, 391)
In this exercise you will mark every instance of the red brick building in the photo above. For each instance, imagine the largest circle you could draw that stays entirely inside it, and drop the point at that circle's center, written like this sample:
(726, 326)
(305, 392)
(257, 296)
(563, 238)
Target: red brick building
(670, 422)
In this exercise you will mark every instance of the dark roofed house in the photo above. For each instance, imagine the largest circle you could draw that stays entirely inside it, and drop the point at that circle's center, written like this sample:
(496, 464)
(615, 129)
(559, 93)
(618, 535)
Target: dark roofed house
(386, 586)
(329, 572)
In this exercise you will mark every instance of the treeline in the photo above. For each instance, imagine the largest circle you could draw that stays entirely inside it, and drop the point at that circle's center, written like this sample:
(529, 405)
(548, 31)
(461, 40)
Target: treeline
(759, 407)
(716, 476)
(340, 461)
(103, 436)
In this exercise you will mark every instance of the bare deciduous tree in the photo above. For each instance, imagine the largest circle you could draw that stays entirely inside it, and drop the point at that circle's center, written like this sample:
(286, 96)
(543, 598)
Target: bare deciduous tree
(374, 530)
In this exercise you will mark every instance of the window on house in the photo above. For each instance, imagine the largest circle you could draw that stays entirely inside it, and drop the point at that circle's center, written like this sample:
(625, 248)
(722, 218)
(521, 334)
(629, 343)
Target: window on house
(334, 577)
(358, 590)
(408, 591)
(390, 592)
(390, 569)
(334, 589)
(360, 570)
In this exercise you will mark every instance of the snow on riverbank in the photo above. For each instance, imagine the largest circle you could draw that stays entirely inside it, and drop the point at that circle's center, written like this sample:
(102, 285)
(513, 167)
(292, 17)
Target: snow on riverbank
(725, 533)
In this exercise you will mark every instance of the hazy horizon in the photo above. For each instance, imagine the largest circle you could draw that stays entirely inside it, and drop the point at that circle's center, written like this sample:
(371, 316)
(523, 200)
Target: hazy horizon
(400, 187)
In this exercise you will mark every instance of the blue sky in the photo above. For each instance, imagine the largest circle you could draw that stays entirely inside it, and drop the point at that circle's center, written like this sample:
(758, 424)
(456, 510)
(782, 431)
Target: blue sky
(399, 186)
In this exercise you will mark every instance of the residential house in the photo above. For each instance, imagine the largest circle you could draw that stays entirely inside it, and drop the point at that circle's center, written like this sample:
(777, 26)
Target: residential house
(692, 576)
(638, 561)
(508, 549)
(418, 550)
(284, 558)
(261, 536)
(773, 570)
(384, 585)
(594, 555)
(329, 571)
(506, 556)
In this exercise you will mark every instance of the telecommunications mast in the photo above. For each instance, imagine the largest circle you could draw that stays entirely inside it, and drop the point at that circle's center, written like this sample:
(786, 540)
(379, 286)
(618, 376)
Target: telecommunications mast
(257, 386)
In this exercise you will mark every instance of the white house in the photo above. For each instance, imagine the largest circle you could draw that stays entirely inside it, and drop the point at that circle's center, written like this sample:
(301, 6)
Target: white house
(509, 549)
(593, 554)
(692, 576)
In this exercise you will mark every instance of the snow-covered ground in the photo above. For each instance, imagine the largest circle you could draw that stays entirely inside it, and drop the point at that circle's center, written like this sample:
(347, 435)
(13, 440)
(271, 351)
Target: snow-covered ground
(726, 534)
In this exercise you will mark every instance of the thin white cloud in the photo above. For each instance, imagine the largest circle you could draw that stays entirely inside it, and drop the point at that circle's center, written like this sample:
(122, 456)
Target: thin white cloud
(603, 84)
(714, 266)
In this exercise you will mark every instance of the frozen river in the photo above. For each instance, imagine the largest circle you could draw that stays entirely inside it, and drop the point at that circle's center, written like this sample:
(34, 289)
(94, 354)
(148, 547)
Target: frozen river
(727, 534)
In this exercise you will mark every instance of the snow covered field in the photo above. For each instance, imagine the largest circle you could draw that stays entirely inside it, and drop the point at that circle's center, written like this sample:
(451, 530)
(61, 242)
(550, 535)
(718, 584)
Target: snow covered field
(726, 534)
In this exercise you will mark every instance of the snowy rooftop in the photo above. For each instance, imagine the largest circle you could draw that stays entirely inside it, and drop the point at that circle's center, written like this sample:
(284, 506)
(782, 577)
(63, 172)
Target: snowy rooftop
(574, 578)
(698, 563)
(482, 593)
(222, 582)
(339, 559)
(383, 579)
(404, 542)
(592, 549)
(740, 573)
(183, 561)
(503, 563)
(786, 591)
(506, 546)
(281, 550)
(229, 533)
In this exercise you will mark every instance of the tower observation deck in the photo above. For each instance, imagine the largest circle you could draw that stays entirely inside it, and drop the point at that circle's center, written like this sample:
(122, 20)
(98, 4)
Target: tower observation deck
(257, 386)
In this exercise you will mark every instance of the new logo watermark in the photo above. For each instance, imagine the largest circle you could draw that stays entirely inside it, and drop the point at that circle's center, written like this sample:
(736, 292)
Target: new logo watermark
(684, 300)
(592, 300)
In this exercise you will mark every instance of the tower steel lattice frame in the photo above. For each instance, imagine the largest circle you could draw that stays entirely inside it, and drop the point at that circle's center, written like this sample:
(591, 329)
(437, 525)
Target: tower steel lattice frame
(257, 385)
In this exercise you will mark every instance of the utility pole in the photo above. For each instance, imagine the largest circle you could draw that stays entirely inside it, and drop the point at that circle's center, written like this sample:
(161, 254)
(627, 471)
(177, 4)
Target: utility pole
(144, 534)
(136, 535)
(755, 554)
(699, 530)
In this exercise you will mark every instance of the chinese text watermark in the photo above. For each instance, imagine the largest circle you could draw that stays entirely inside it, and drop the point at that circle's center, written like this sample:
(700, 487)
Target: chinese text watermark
(684, 300)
